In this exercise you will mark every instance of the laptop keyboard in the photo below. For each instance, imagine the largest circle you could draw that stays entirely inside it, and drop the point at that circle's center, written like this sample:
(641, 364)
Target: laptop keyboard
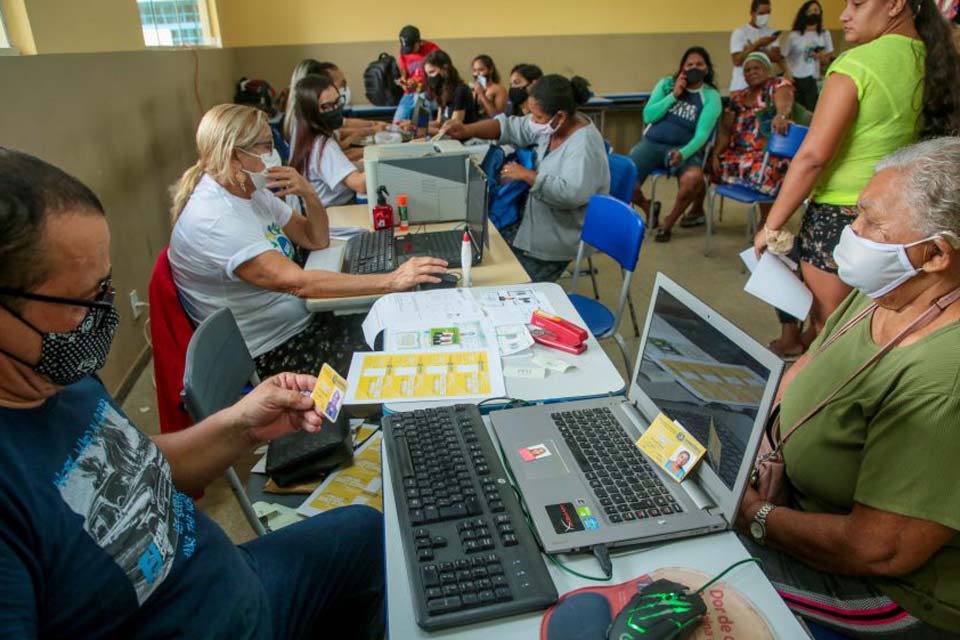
(372, 252)
(439, 244)
(622, 479)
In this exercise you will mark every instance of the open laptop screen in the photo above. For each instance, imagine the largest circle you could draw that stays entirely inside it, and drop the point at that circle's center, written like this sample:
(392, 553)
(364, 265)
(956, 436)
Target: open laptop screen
(477, 205)
(702, 379)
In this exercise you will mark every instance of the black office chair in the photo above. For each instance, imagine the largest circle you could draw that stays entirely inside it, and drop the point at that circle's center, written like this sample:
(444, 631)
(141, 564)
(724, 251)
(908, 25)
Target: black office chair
(218, 368)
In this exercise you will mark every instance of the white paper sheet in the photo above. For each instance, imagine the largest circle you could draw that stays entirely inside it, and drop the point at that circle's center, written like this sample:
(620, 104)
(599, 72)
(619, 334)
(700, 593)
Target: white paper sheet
(774, 283)
(437, 308)
(416, 336)
(513, 306)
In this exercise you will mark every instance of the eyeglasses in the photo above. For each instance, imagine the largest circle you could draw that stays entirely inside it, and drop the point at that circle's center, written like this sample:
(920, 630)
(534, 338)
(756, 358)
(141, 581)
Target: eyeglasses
(102, 300)
(330, 106)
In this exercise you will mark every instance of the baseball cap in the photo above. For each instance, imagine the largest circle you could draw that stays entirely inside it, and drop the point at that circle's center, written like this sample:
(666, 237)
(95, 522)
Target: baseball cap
(409, 36)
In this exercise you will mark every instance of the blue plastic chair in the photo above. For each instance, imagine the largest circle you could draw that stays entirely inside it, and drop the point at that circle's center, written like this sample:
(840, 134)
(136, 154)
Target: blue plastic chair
(623, 180)
(613, 227)
(778, 146)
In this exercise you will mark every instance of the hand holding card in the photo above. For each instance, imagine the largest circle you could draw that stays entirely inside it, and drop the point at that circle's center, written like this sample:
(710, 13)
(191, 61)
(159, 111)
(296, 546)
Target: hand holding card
(329, 392)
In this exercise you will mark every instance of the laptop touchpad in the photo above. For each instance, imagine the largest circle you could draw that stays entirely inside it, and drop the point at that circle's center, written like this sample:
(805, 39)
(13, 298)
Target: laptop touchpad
(541, 460)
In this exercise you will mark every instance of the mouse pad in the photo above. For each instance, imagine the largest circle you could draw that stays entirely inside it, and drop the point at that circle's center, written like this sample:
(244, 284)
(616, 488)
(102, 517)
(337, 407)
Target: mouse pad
(730, 614)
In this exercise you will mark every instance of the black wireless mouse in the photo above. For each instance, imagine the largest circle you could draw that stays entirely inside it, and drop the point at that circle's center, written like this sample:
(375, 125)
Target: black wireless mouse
(663, 610)
(447, 281)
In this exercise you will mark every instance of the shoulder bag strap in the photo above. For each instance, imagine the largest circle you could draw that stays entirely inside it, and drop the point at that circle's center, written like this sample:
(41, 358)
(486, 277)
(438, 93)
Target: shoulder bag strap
(923, 320)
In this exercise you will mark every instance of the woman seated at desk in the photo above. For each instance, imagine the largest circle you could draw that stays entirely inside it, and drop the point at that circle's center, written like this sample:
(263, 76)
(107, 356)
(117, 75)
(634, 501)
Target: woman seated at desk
(315, 153)
(490, 95)
(680, 115)
(867, 541)
(446, 88)
(353, 129)
(233, 241)
(571, 166)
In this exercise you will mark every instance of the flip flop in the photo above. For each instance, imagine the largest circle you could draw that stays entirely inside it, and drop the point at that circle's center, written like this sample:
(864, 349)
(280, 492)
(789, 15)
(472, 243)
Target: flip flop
(663, 235)
(697, 221)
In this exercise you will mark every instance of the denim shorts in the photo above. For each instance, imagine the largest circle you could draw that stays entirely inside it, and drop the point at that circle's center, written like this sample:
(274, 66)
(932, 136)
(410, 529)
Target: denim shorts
(649, 155)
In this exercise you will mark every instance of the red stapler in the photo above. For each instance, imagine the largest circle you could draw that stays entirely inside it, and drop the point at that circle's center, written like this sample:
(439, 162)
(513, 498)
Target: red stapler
(557, 333)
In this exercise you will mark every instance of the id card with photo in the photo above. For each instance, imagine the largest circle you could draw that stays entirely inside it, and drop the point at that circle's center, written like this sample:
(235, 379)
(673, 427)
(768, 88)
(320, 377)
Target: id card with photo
(534, 452)
(329, 393)
(671, 447)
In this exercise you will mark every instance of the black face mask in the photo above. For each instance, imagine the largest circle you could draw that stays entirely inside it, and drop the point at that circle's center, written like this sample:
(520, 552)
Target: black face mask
(70, 356)
(695, 75)
(813, 19)
(435, 82)
(332, 120)
(517, 96)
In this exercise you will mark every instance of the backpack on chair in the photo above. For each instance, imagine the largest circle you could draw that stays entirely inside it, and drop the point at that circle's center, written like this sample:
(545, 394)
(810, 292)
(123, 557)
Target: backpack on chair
(380, 81)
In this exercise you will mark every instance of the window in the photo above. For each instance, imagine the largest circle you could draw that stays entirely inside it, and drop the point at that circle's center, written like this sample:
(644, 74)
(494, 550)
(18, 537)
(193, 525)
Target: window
(176, 23)
(4, 41)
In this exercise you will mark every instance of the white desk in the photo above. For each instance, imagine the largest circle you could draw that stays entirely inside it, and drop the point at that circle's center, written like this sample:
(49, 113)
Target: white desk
(709, 554)
(594, 375)
(499, 266)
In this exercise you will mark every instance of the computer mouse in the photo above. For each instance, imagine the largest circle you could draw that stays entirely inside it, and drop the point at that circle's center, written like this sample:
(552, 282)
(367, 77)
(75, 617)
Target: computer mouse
(663, 610)
(447, 281)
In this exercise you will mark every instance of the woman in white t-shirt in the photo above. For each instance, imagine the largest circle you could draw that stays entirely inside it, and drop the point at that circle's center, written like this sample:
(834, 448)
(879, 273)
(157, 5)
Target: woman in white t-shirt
(233, 242)
(808, 49)
(315, 152)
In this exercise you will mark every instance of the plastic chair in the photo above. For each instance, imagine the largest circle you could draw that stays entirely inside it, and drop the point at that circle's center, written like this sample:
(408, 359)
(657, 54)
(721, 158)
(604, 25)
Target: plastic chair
(656, 174)
(623, 180)
(778, 146)
(613, 227)
(217, 370)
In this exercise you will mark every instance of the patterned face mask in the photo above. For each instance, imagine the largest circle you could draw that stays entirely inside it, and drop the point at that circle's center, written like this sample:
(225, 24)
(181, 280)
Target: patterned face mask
(70, 356)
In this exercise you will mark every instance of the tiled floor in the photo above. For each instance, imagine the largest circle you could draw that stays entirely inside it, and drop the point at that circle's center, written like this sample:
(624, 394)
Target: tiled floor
(718, 280)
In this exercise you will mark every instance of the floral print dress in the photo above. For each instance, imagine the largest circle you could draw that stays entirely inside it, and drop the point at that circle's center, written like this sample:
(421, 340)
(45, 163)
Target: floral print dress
(741, 163)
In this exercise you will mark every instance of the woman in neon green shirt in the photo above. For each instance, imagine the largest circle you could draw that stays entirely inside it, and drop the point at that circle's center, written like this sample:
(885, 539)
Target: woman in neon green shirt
(898, 85)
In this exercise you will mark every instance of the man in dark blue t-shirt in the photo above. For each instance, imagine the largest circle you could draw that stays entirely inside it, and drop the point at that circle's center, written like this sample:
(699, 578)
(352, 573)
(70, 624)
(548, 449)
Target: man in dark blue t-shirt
(98, 539)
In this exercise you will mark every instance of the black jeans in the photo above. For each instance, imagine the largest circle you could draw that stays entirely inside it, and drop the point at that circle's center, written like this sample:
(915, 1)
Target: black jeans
(806, 92)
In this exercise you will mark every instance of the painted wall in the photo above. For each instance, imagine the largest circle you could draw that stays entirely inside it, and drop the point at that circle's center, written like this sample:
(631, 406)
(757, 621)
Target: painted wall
(74, 26)
(122, 123)
(245, 24)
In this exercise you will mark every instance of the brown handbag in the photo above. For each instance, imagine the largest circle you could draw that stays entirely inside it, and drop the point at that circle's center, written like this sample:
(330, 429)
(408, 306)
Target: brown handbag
(769, 473)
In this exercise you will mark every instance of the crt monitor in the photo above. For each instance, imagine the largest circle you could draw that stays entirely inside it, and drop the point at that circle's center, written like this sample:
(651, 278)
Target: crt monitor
(704, 380)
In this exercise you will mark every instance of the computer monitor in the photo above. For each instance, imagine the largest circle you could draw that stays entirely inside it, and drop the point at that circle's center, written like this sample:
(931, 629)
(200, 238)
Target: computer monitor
(476, 217)
(700, 377)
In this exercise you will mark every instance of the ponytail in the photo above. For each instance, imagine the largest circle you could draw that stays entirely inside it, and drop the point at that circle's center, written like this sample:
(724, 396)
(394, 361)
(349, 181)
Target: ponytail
(183, 189)
(940, 112)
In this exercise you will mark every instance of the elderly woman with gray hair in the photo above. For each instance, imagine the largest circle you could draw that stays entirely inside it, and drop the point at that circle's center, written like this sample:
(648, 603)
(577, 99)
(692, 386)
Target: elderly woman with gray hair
(866, 539)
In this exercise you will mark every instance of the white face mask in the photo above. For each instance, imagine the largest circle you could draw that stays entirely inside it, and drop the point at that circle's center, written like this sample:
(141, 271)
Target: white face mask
(270, 160)
(347, 96)
(762, 20)
(875, 268)
(542, 128)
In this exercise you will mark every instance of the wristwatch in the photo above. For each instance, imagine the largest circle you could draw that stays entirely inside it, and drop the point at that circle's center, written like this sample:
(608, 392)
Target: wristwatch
(758, 528)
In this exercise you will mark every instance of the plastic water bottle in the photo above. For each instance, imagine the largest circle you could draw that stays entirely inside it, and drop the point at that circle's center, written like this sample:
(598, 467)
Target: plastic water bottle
(466, 259)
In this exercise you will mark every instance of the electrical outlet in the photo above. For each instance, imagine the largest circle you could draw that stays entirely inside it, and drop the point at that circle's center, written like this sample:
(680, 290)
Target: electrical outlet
(136, 304)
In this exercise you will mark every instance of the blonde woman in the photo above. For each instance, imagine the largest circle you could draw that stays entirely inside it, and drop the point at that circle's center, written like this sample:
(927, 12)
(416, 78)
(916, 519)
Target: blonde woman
(233, 242)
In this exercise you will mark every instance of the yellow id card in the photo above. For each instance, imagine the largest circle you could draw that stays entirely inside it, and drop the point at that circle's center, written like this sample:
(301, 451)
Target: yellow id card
(329, 393)
(671, 447)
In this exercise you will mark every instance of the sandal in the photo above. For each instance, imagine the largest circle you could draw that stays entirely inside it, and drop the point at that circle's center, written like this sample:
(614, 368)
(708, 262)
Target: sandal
(693, 221)
(663, 235)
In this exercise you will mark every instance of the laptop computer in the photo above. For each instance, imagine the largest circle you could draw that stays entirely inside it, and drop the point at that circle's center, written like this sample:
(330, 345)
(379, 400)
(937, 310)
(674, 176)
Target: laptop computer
(582, 478)
(383, 251)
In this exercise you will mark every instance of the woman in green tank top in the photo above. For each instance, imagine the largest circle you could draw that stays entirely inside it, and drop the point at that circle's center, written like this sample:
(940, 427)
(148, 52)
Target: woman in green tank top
(899, 85)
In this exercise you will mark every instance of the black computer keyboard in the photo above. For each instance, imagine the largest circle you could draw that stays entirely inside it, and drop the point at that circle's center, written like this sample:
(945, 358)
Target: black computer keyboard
(439, 244)
(622, 479)
(470, 554)
(372, 252)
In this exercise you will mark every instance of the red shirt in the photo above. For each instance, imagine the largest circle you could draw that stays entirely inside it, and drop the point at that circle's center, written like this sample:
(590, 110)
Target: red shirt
(412, 63)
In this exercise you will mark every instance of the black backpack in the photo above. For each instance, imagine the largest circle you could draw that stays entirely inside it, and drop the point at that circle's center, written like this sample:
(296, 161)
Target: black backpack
(380, 81)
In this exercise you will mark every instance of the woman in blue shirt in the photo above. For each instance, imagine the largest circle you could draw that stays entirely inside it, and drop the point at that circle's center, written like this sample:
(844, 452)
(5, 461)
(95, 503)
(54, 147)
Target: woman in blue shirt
(680, 116)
